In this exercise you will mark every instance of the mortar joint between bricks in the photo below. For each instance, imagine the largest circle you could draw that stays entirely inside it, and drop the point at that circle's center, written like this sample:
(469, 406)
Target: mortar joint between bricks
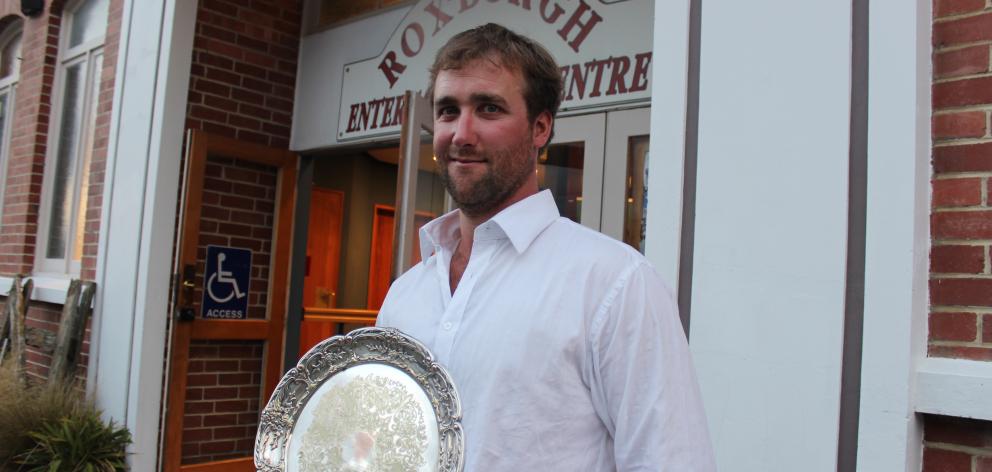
(958, 78)
(959, 142)
(985, 107)
(960, 276)
(976, 451)
(973, 343)
(960, 15)
(959, 209)
(979, 310)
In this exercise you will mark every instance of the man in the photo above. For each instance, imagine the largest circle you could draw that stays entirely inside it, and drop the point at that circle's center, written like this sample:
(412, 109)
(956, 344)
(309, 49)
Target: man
(565, 345)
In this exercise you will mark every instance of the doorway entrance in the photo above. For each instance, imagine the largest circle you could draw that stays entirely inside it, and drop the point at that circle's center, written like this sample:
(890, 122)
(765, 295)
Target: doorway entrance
(596, 167)
(228, 322)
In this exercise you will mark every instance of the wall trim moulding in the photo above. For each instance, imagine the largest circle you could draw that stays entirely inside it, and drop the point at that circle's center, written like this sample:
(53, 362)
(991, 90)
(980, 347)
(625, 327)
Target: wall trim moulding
(47, 289)
(954, 387)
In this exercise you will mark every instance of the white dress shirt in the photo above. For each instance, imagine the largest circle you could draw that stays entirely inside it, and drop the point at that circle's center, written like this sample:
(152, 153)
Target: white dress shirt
(565, 347)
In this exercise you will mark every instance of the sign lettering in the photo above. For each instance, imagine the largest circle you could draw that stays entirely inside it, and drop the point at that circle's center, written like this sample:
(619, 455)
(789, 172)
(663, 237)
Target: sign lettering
(604, 50)
(366, 115)
(412, 39)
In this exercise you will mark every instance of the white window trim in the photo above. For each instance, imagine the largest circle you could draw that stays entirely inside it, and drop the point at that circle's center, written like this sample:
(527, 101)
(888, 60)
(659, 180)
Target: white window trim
(46, 289)
(10, 84)
(954, 387)
(84, 52)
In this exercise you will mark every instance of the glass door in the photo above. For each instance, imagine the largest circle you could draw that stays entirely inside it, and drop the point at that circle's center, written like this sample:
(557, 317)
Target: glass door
(596, 167)
(625, 176)
(572, 167)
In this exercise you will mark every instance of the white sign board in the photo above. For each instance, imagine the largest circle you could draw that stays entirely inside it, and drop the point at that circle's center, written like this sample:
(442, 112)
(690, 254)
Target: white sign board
(603, 49)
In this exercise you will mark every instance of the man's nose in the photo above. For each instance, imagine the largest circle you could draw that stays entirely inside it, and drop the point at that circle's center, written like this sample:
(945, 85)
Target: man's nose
(464, 130)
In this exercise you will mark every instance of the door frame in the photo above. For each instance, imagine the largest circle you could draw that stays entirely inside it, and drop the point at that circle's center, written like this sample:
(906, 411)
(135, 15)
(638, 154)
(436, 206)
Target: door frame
(271, 329)
(604, 168)
(621, 125)
(590, 130)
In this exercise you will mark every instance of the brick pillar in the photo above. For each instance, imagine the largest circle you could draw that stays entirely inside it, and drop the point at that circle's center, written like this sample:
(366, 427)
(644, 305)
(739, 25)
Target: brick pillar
(101, 133)
(28, 140)
(243, 77)
(961, 220)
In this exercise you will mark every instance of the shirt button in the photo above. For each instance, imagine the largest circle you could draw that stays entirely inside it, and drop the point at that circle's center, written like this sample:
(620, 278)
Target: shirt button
(447, 325)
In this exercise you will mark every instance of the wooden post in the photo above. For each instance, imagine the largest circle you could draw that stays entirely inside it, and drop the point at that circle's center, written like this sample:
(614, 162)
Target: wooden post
(72, 327)
(17, 309)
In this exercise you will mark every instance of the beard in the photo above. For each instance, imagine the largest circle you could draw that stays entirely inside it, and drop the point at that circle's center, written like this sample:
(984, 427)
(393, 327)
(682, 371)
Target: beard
(506, 170)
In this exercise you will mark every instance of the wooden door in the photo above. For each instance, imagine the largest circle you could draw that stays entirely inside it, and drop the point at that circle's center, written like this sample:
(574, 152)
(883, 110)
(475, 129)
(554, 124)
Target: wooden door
(222, 371)
(320, 285)
(381, 260)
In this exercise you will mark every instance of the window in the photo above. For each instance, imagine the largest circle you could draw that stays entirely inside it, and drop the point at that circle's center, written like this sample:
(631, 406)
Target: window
(70, 146)
(10, 64)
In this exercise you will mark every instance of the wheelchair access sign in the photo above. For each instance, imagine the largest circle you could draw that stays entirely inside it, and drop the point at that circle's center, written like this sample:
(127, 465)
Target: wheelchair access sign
(225, 287)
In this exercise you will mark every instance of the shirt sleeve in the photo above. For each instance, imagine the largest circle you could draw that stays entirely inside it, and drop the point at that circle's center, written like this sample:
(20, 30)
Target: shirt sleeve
(383, 319)
(644, 386)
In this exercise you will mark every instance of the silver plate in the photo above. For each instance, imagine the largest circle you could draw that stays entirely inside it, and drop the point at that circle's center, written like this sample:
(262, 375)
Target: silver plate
(371, 400)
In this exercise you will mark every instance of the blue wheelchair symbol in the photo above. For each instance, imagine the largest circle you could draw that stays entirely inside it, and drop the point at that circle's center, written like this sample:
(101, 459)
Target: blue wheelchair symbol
(223, 277)
(228, 274)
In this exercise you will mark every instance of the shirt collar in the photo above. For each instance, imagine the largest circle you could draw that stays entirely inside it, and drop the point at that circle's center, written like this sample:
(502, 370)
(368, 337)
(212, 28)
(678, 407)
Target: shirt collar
(521, 222)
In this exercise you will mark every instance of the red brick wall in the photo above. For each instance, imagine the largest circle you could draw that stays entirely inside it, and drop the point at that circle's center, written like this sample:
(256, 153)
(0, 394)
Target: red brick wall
(29, 136)
(222, 400)
(41, 327)
(244, 69)
(961, 222)
(956, 445)
(28, 147)
(101, 133)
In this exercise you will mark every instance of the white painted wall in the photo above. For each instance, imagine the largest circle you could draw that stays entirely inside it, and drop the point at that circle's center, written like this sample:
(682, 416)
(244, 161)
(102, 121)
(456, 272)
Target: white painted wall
(666, 160)
(138, 225)
(321, 72)
(771, 230)
(897, 238)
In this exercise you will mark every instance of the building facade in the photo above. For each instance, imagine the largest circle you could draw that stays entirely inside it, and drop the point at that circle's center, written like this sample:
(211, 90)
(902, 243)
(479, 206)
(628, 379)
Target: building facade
(818, 178)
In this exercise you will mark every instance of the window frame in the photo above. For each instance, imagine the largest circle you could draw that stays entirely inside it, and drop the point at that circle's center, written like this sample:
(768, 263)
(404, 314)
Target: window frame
(8, 85)
(88, 53)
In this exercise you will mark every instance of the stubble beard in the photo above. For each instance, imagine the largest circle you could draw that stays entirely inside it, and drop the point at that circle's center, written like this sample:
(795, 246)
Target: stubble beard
(506, 171)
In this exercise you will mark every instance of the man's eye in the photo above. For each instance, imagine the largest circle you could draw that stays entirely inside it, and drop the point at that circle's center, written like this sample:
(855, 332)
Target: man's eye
(446, 112)
(490, 108)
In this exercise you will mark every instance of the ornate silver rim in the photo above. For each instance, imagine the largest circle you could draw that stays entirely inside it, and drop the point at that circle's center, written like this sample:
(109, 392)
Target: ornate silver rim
(363, 346)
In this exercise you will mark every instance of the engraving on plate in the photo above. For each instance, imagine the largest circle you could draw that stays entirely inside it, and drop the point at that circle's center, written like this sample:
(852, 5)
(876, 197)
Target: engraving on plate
(352, 418)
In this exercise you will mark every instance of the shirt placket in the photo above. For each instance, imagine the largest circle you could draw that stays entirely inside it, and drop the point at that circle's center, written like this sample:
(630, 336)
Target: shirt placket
(454, 313)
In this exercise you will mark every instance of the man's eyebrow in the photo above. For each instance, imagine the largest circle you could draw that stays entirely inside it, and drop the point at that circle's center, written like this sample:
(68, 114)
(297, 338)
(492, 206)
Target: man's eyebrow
(474, 98)
(444, 101)
(487, 98)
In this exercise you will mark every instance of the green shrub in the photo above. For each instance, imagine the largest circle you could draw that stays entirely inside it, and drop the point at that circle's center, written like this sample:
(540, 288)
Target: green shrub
(52, 428)
(81, 442)
(26, 408)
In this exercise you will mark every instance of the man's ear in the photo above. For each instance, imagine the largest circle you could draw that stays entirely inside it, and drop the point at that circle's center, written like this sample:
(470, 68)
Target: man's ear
(542, 129)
